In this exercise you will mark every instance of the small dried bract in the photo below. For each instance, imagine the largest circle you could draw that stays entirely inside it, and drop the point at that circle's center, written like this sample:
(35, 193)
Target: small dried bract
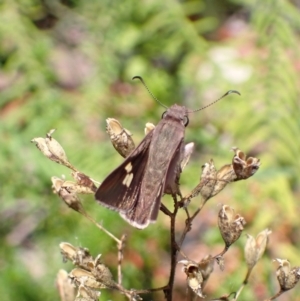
(52, 149)
(119, 137)
(287, 277)
(255, 247)
(230, 224)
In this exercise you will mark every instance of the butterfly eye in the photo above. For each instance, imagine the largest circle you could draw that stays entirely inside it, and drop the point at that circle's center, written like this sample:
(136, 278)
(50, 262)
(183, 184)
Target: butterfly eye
(185, 120)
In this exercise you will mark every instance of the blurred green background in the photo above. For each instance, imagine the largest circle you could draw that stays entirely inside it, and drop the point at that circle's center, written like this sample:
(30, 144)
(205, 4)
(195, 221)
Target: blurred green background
(68, 65)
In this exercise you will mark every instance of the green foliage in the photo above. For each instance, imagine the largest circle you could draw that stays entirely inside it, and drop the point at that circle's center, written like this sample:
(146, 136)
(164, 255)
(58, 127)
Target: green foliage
(67, 65)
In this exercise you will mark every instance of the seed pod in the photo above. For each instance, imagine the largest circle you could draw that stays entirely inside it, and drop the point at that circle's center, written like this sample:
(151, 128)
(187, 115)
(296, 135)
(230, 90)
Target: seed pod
(67, 192)
(119, 137)
(244, 167)
(55, 148)
(286, 276)
(194, 276)
(255, 247)
(230, 224)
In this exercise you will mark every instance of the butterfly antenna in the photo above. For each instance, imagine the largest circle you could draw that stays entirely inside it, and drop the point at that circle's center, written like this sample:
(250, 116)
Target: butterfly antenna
(227, 93)
(142, 81)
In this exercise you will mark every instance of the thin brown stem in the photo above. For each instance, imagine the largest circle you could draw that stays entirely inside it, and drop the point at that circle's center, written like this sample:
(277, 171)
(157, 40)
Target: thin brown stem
(243, 284)
(188, 225)
(275, 296)
(222, 253)
(120, 258)
(174, 251)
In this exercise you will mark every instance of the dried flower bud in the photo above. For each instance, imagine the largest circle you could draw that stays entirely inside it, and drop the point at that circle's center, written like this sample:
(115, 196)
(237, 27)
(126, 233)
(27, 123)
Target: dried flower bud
(149, 127)
(255, 248)
(286, 276)
(194, 276)
(64, 286)
(188, 150)
(244, 167)
(67, 192)
(52, 149)
(42, 146)
(230, 224)
(55, 148)
(119, 137)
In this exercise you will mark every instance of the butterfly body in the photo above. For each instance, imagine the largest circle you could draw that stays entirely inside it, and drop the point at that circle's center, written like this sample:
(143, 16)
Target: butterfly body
(135, 188)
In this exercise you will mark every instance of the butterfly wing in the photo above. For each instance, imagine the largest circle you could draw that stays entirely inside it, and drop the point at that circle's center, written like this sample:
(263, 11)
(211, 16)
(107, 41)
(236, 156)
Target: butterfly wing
(121, 189)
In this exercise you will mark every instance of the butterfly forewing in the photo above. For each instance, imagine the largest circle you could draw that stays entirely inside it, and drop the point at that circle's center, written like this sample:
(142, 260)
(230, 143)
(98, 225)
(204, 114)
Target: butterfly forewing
(120, 190)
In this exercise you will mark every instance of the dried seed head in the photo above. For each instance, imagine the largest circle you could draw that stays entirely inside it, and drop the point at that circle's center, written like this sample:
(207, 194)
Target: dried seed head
(77, 255)
(92, 271)
(212, 181)
(188, 150)
(149, 127)
(67, 191)
(206, 185)
(286, 276)
(194, 276)
(85, 278)
(84, 181)
(55, 148)
(255, 247)
(119, 137)
(52, 149)
(244, 167)
(230, 224)
(42, 146)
